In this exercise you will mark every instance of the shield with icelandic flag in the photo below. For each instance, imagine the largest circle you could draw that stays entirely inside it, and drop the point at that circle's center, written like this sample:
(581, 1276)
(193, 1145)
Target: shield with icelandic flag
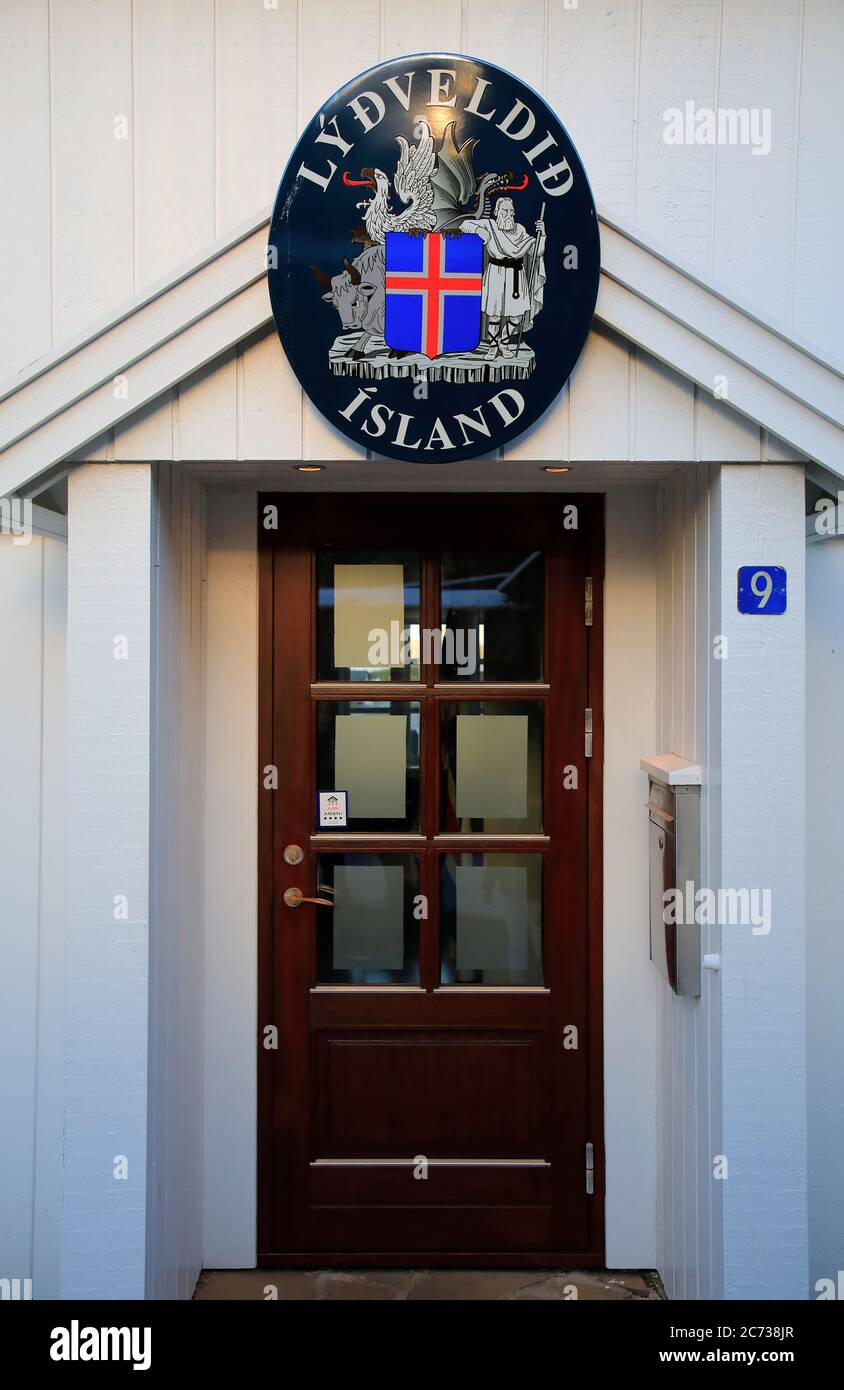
(434, 286)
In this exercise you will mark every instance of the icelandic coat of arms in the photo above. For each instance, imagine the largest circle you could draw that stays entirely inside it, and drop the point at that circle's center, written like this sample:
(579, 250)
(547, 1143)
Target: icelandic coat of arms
(450, 282)
(434, 245)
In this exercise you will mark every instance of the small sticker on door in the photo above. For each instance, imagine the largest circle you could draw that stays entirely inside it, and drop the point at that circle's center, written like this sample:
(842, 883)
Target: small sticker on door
(332, 810)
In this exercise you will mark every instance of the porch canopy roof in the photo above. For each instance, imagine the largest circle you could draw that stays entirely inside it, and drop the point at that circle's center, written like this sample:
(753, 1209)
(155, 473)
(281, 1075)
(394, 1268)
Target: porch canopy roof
(71, 397)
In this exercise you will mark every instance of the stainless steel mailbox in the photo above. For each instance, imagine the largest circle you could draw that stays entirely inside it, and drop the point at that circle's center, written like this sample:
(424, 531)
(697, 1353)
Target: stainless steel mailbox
(674, 849)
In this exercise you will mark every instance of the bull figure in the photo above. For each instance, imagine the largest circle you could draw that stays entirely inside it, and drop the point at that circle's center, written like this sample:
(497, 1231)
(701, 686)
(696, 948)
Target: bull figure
(358, 294)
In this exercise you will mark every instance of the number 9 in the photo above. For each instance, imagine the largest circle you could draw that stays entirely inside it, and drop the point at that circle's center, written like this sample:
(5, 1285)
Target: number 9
(763, 593)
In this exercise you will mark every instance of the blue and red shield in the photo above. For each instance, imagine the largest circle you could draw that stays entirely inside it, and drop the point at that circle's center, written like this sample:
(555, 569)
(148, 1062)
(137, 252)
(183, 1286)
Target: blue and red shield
(434, 285)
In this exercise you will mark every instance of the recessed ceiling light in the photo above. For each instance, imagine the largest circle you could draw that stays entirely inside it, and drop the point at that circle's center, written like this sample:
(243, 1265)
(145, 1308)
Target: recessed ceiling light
(556, 468)
(309, 467)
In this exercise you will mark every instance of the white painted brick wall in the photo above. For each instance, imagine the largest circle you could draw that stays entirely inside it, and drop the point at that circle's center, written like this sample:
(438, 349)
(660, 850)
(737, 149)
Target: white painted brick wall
(108, 854)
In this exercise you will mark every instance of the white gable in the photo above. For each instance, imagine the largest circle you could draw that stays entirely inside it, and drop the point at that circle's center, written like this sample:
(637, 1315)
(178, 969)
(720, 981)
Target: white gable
(621, 405)
(214, 94)
(192, 370)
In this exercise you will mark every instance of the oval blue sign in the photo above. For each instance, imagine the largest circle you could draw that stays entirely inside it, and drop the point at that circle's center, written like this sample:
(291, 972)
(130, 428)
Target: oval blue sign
(434, 258)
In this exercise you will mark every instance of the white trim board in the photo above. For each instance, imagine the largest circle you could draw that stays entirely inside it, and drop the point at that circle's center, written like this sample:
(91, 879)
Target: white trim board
(72, 396)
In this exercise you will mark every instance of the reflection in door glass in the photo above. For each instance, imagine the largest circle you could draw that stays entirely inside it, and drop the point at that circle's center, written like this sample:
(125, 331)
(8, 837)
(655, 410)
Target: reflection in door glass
(491, 767)
(370, 749)
(491, 919)
(370, 936)
(368, 615)
(493, 614)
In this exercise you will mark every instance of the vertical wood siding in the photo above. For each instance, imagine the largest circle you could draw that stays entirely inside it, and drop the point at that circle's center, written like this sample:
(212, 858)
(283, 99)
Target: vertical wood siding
(763, 978)
(107, 818)
(215, 91)
(32, 691)
(230, 881)
(630, 983)
(174, 1197)
(619, 405)
(824, 957)
(689, 1216)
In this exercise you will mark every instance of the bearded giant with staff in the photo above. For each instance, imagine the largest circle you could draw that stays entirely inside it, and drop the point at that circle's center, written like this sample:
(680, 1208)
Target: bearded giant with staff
(514, 276)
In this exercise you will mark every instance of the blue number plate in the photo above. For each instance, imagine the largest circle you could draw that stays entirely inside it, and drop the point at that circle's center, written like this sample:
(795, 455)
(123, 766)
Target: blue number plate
(761, 589)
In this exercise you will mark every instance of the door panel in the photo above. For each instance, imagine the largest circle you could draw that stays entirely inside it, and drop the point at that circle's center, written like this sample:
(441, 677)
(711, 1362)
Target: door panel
(433, 983)
(439, 1093)
(501, 1185)
(429, 1229)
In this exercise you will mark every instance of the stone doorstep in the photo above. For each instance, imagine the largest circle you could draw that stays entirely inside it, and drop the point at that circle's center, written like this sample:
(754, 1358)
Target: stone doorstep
(428, 1285)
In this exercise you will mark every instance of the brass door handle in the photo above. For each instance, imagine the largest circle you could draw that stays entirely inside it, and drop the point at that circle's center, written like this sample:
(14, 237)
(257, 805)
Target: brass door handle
(294, 897)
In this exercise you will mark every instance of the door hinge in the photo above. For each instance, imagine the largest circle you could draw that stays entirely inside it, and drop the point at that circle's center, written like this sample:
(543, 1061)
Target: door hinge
(588, 733)
(590, 1170)
(588, 605)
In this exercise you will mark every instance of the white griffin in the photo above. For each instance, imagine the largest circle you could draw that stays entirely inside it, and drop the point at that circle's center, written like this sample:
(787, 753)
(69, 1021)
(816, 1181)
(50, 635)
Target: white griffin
(412, 182)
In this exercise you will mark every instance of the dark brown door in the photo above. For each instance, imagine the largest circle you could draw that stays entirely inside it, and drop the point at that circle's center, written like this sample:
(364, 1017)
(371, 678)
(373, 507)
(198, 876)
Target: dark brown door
(436, 1080)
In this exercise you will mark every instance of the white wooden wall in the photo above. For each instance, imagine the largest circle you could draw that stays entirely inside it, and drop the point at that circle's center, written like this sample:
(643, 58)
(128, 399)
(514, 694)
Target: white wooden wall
(619, 405)
(825, 915)
(741, 718)
(231, 883)
(762, 816)
(107, 817)
(214, 93)
(175, 1057)
(630, 989)
(32, 717)
(689, 1209)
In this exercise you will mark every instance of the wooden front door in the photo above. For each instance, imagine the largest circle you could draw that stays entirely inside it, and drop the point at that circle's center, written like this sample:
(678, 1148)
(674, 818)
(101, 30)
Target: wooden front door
(436, 1081)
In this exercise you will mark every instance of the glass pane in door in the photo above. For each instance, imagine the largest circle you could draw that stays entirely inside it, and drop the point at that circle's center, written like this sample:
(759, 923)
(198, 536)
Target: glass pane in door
(491, 919)
(370, 749)
(370, 935)
(368, 615)
(491, 780)
(493, 615)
